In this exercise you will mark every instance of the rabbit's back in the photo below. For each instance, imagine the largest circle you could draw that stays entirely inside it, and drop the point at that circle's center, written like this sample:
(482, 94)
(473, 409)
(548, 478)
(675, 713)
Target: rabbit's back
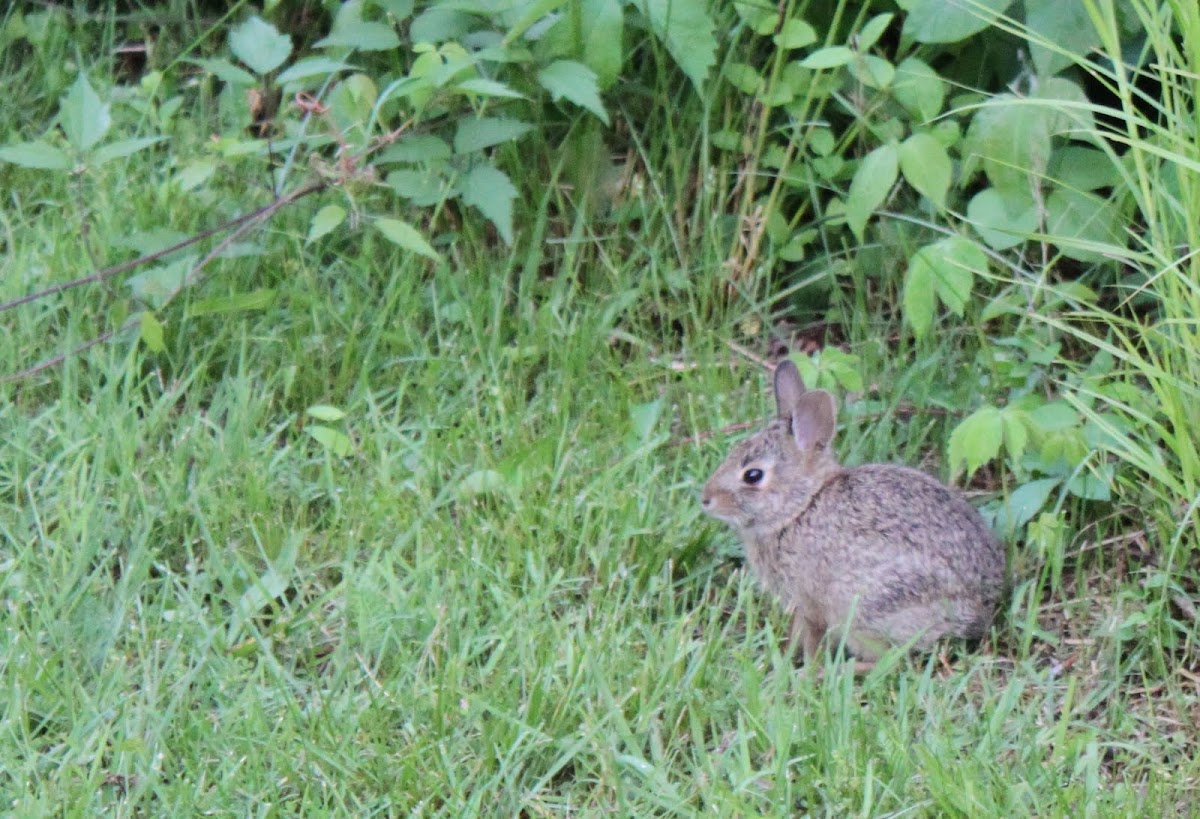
(908, 556)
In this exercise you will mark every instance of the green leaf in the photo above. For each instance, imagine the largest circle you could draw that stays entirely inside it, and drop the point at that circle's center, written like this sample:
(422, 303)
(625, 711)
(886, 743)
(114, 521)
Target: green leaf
(874, 178)
(1012, 137)
(1016, 425)
(324, 221)
(873, 30)
(575, 82)
(349, 30)
(484, 132)
(259, 45)
(326, 413)
(406, 236)
(643, 418)
(1083, 169)
(1065, 26)
(488, 88)
(1025, 501)
(123, 148)
(976, 440)
(1083, 226)
(603, 30)
(919, 298)
(948, 21)
(492, 193)
(438, 25)
(333, 441)
(926, 166)
(828, 57)
(84, 118)
(954, 262)
(1091, 486)
(796, 33)
(423, 187)
(226, 71)
(483, 482)
(152, 332)
(311, 67)
(761, 17)
(871, 71)
(1002, 220)
(232, 303)
(415, 148)
(688, 32)
(920, 89)
(35, 155)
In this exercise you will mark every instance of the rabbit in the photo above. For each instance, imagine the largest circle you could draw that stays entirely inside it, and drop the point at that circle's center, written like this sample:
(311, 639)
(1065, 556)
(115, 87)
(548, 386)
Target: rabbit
(884, 554)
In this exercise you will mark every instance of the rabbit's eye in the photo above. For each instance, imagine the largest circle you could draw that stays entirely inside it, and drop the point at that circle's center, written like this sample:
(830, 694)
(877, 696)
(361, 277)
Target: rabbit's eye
(752, 476)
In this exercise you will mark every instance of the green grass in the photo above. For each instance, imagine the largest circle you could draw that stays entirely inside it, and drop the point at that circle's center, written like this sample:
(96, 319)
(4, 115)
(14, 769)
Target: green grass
(505, 600)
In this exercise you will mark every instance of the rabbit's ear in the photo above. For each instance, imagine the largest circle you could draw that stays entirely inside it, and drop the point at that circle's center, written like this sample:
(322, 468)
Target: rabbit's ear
(814, 420)
(788, 388)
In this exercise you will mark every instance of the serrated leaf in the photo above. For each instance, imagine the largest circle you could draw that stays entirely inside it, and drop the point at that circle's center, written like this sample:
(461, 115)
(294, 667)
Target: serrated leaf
(406, 236)
(35, 155)
(948, 21)
(478, 133)
(334, 441)
(226, 72)
(362, 35)
(415, 148)
(1025, 501)
(423, 187)
(488, 88)
(152, 332)
(259, 45)
(796, 33)
(567, 79)
(874, 178)
(976, 440)
(84, 118)
(828, 57)
(688, 31)
(927, 167)
(1013, 138)
(1016, 431)
(490, 191)
(324, 221)
(325, 412)
(762, 18)
(955, 261)
(123, 148)
(312, 67)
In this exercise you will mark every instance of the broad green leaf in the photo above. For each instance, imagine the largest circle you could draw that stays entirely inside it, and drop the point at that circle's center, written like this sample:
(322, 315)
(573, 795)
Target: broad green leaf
(1094, 487)
(483, 482)
(1070, 108)
(406, 236)
(926, 166)
(325, 412)
(438, 25)
(259, 45)
(1016, 425)
(828, 57)
(1055, 416)
(488, 88)
(873, 30)
(744, 77)
(351, 103)
(687, 30)
(1083, 169)
(152, 332)
(492, 193)
(35, 155)
(1025, 501)
(575, 82)
(1012, 137)
(84, 118)
(919, 88)
(796, 33)
(155, 285)
(361, 35)
(1065, 27)
(399, 9)
(874, 178)
(643, 418)
(312, 67)
(1002, 220)
(976, 440)
(415, 148)
(226, 71)
(194, 174)
(761, 17)
(123, 148)
(475, 134)
(871, 71)
(1083, 226)
(603, 30)
(334, 441)
(955, 261)
(423, 187)
(948, 21)
(232, 303)
(324, 221)
(920, 299)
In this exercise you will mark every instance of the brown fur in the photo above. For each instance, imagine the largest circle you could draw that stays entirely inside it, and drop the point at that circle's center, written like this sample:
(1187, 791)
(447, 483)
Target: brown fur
(884, 553)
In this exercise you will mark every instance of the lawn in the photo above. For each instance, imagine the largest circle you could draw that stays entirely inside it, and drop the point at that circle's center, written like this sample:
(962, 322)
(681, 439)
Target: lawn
(418, 538)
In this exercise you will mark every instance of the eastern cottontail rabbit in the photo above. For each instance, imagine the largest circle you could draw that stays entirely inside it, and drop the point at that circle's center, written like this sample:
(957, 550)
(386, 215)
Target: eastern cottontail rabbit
(904, 556)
